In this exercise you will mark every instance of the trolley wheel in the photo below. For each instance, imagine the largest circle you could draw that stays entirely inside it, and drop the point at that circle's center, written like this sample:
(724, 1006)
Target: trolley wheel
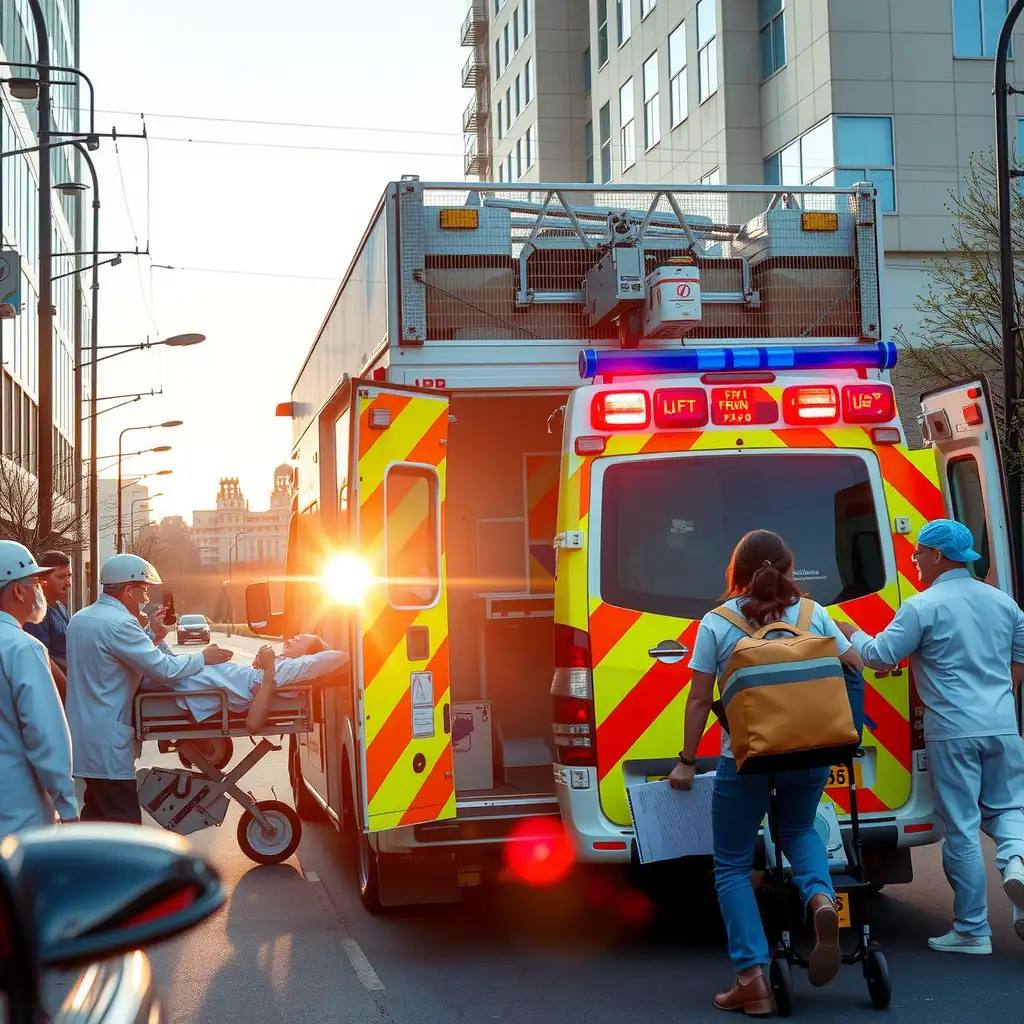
(217, 751)
(780, 975)
(274, 848)
(876, 971)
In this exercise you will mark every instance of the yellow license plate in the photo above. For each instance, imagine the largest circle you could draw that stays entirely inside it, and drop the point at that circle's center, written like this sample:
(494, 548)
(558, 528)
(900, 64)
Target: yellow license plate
(843, 907)
(839, 777)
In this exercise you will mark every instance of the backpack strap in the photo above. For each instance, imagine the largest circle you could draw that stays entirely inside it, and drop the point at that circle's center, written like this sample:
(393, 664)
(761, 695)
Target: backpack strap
(803, 622)
(739, 621)
(775, 627)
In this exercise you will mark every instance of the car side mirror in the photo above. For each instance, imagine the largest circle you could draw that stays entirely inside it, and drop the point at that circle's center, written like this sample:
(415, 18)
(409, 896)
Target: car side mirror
(84, 892)
(259, 614)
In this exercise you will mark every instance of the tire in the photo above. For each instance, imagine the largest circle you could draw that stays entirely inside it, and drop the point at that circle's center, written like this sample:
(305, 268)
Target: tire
(261, 848)
(306, 804)
(368, 874)
(780, 977)
(218, 752)
(876, 971)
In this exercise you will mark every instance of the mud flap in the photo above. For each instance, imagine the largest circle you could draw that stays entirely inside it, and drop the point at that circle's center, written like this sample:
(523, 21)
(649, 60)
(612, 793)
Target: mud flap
(418, 878)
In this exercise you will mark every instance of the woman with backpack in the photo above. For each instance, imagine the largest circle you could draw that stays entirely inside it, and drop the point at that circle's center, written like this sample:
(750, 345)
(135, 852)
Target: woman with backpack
(760, 591)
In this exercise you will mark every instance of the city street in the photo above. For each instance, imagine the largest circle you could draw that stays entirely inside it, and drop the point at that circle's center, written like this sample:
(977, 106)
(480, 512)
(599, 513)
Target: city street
(295, 944)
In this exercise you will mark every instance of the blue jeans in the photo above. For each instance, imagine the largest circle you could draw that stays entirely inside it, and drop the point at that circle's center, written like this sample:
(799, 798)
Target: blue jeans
(738, 806)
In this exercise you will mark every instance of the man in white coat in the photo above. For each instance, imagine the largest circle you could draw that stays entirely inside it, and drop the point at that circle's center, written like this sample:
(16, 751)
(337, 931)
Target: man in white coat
(35, 748)
(108, 654)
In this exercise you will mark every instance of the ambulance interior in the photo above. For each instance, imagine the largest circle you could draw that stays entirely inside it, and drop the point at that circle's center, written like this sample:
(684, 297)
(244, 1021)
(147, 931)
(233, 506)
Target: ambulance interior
(500, 505)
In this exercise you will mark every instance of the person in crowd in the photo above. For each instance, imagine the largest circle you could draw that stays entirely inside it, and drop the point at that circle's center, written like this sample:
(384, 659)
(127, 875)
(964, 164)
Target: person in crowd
(108, 655)
(35, 745)
(52, 631)
(761, 590)
(965, 641)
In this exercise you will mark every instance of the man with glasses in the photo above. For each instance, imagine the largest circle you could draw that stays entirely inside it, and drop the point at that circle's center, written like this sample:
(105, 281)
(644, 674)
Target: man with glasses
(35, 747)
(108, 654)
(52, 630)
(965, 641)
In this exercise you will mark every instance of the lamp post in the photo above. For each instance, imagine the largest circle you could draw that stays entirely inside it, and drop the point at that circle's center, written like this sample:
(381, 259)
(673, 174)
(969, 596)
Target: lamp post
(120, 458)
(231, 597)
(135, 501)
(1008, 294)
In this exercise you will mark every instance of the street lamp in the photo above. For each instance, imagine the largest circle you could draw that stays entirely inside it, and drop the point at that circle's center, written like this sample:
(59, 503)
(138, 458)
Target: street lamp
(175, 341)
(135, 501)
(120, 438)
(231, 599)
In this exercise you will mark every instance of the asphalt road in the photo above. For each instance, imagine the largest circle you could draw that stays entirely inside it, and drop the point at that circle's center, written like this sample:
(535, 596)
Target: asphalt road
(295, 944)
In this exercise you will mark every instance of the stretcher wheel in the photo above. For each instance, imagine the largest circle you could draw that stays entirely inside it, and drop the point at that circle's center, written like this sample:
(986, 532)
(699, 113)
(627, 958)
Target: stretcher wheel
(217, 751)
(876, 971)
(267, 849)
(780, 976)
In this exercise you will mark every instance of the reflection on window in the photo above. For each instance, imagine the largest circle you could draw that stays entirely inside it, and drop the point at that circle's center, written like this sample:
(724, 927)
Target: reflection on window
(772, 19)
(652, 102)
(602, 33)
(707, 49)
(588, 149)
(668, 527)
(605, 124)
(412, 546)
(968, 499)
(627, 133)
(624, 17)
(976, 25)
(677, 74)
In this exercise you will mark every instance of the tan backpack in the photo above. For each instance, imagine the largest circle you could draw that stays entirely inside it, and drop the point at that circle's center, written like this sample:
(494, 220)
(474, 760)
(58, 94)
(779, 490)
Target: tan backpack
(785, 698)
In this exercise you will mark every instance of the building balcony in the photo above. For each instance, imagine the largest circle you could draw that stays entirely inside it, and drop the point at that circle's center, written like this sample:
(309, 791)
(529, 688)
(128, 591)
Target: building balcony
(477, 160)
(474, 117)
(474, 28)
(474, 71)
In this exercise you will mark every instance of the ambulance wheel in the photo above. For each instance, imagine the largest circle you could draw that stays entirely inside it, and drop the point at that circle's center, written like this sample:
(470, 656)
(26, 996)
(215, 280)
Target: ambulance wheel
(876, 970)
(270, 849)
(781, 978)
(368, 874)
(218, 752)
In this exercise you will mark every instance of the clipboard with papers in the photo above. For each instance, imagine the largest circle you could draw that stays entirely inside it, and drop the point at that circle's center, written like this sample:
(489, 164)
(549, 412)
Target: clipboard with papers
(672, 823)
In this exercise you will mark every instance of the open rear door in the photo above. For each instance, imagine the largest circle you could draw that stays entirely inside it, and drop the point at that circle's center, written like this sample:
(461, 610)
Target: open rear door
(403, 699)
(958, 420)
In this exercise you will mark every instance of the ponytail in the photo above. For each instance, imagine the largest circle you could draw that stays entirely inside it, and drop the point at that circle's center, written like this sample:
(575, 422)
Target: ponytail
(758, 575)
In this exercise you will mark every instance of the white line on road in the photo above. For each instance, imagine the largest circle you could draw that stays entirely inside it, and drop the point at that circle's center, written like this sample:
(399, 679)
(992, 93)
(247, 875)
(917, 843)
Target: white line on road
(312, 876)
(363, 968)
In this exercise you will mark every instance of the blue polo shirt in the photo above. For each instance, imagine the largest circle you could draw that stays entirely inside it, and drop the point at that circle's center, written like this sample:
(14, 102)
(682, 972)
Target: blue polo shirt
(52, 632)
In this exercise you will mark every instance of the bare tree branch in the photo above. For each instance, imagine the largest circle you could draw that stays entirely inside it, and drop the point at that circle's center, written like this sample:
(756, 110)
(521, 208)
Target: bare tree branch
(19, 495)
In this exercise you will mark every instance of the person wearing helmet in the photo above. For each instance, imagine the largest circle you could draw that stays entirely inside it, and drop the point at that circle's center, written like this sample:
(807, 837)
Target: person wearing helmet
(108, 655)
(35, 745)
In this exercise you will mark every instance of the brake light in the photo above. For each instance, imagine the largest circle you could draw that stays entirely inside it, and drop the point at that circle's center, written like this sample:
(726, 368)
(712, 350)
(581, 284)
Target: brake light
(819, 405)
(972, 415)
(620, 410)
(868, 403)
(572, 692)
(916, 714)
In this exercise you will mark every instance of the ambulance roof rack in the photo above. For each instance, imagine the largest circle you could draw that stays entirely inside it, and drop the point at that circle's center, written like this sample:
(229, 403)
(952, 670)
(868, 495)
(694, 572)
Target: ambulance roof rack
(879, 355)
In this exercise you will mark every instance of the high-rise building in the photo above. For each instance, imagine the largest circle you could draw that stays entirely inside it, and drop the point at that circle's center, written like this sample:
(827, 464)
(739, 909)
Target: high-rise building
(19, 205)
(749, 92)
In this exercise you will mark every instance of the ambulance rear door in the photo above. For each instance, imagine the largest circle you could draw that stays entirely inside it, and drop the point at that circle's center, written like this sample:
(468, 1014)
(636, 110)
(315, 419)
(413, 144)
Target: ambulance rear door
(959, 421)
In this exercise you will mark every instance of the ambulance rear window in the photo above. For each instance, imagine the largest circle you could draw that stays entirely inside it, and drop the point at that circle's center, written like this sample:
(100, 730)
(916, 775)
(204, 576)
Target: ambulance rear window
(668, 527)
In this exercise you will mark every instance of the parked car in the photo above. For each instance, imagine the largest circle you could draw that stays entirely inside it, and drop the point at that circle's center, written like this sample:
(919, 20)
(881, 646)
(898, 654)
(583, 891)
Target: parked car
(193, 629)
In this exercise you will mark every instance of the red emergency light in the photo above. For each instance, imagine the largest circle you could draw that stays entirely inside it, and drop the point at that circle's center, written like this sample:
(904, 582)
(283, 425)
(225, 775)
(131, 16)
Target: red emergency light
(743, 407)
(680, 407)
(868, 403)
(972, 415)
(623, 410)
(818, 405)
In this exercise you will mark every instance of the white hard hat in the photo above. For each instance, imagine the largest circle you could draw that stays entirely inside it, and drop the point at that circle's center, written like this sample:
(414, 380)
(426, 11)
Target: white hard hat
(17, 563)
(127, 569)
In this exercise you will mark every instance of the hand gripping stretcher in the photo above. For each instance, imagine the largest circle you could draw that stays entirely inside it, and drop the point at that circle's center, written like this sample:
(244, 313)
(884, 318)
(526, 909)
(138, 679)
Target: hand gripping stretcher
(195, 796)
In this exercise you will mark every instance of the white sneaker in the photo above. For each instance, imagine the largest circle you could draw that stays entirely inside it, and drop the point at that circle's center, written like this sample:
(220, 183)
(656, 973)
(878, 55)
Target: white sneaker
(1013, 881)
(1018, 922)
(954, 942)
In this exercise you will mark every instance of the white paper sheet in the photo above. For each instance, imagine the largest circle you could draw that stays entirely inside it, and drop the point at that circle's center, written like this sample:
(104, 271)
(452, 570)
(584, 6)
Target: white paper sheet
(669, 822)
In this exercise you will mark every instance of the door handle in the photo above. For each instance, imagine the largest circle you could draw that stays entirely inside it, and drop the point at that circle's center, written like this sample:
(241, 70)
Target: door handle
(448, 719)
(669, 652)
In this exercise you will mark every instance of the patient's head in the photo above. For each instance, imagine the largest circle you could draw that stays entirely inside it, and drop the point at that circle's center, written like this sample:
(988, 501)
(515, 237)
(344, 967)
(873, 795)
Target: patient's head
(301, 644)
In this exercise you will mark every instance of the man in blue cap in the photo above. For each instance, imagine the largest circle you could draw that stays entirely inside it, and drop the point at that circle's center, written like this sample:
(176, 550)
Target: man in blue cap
(965, 641)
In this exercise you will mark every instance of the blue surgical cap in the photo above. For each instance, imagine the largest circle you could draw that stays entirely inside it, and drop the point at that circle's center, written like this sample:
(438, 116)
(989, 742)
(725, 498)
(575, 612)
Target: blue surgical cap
(953, 539)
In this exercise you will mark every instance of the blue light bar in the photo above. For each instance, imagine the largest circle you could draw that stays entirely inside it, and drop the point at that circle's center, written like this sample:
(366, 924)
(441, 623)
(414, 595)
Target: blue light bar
(880, 355)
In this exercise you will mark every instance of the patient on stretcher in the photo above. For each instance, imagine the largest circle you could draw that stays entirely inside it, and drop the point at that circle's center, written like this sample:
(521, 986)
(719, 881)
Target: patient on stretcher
(304, 658)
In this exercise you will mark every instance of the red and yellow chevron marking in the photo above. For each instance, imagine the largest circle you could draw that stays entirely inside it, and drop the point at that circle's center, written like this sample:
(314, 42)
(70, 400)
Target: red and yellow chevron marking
(541, 475)
(639, 706)
(395, 792)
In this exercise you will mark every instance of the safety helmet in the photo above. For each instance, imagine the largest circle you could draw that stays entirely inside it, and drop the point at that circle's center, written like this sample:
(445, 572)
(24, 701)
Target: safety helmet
(127, 569)
(17, 563)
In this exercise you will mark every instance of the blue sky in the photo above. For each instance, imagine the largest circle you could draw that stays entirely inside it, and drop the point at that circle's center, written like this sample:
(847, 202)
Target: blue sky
(249, 208)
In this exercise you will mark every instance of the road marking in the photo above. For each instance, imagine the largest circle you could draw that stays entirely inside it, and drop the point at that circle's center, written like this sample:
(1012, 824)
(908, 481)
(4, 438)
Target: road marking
(312, 876)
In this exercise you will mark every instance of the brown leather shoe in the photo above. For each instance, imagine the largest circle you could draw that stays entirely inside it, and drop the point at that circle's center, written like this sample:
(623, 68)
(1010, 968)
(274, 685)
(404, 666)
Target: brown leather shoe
(752, 998)
(826, 957)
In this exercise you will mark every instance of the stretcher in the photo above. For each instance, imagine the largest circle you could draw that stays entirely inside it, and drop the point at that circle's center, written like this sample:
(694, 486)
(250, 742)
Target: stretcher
(187, 799)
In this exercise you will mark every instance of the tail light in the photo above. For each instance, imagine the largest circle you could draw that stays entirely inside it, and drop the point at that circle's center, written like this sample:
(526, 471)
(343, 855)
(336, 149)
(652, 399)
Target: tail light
(811, 405)
(572, 690)
(868, 403)
(916, 714)
(620, 409)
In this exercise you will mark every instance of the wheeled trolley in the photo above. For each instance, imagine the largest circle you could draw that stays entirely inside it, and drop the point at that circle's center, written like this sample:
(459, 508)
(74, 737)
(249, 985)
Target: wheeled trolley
(852, 892)
(195, 796)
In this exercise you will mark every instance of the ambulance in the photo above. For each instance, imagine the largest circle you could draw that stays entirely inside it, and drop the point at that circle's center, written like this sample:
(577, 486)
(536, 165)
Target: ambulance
(532, 427)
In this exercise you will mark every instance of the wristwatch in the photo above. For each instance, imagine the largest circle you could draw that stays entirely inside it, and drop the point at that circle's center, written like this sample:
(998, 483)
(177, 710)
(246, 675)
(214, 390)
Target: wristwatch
(683, 759)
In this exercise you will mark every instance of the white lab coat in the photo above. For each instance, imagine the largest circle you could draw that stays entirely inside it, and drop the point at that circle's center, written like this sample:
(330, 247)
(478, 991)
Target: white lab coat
(108, 654)
(35, 746)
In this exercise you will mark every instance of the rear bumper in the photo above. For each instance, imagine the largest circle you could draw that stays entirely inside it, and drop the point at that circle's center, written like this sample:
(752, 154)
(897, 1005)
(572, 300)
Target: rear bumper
(190, 638)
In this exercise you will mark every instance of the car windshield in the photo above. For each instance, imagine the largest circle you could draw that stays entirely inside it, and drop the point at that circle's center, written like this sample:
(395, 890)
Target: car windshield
(669, 527)
(193, 620)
